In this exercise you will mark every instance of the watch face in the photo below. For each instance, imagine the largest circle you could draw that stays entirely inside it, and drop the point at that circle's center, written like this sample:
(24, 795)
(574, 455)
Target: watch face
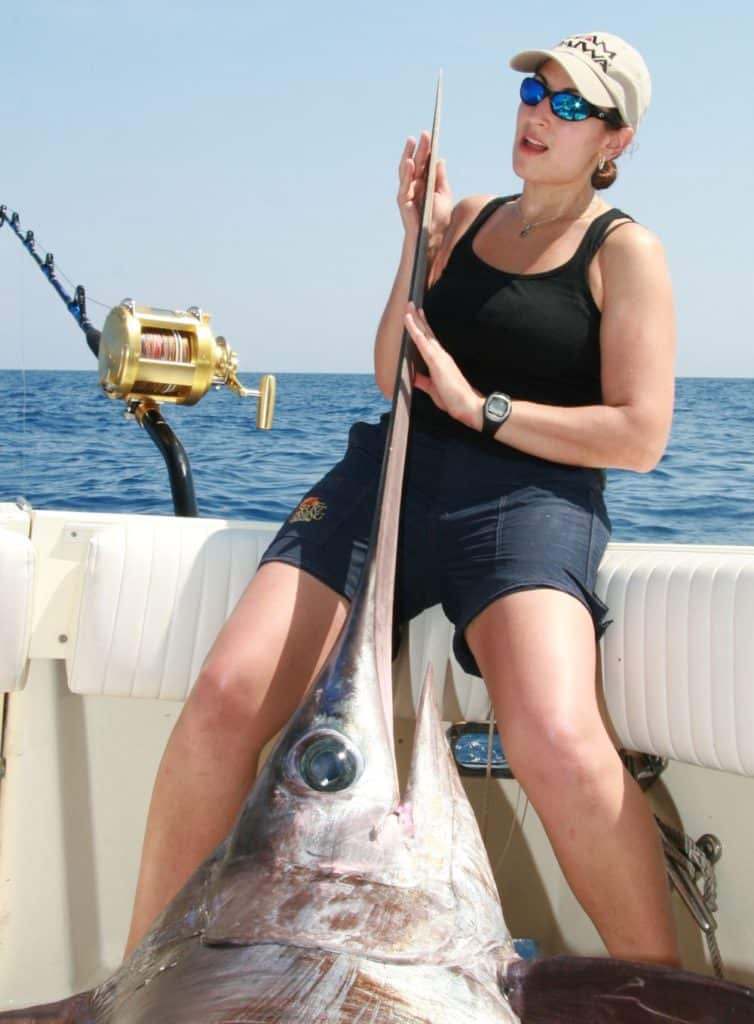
(497, 406)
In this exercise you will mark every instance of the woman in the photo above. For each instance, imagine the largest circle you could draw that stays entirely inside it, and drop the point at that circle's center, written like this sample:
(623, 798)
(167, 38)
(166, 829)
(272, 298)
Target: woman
(554, 359)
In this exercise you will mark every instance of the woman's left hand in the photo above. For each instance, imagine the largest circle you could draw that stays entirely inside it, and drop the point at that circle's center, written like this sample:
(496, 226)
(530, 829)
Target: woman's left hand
(444, 382)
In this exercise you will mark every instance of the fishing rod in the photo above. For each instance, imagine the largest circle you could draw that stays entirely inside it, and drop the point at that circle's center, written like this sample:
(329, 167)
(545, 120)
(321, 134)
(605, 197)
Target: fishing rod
(76, 306)
(148, 356)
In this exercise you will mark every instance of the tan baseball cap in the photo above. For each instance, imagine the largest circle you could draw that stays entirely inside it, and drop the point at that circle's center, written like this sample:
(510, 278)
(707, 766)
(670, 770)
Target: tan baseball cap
(604, 68)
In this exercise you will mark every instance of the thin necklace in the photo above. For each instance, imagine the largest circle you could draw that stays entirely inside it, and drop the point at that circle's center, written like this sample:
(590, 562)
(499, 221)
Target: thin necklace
(529, 225)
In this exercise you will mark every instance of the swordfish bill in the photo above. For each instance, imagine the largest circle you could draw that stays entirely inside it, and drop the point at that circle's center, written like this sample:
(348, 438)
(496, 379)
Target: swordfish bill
(336, 899)
(378, 578)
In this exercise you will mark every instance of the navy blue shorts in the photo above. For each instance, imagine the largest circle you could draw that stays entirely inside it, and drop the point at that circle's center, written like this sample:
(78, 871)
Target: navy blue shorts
(476, 524)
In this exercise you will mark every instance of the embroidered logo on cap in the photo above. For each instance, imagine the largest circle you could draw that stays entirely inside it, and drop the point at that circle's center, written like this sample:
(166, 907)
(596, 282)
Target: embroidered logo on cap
(308, 510)
(594, 47)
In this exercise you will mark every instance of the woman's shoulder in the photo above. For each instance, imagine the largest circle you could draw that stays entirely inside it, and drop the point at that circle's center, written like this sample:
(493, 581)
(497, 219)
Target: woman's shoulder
(624, 234)
(468, 209)
(465, 212)
(629, 252)
(627, 240)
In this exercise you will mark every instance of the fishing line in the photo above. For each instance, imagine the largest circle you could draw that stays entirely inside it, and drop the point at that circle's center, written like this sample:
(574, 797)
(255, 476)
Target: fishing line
(22, 340)
(487, 773)
(62, 273)
(89, 298)
(484, 814)
(515, 824)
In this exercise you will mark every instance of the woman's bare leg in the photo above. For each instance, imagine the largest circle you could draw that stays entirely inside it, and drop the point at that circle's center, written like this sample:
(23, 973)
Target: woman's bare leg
(252, 681)
(537, 653)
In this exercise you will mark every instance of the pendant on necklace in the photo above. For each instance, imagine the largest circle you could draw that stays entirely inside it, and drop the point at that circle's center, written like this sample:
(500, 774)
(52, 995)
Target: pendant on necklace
(524, 232)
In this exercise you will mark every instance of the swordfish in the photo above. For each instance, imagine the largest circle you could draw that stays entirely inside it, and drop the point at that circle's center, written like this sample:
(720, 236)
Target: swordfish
(337, 899)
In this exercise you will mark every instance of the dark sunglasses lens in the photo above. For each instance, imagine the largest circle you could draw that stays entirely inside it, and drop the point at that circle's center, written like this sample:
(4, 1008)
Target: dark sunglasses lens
(569, 107)
(532, 92)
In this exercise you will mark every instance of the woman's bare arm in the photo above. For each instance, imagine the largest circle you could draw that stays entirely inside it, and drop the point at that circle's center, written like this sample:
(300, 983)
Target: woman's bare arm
(637, 340)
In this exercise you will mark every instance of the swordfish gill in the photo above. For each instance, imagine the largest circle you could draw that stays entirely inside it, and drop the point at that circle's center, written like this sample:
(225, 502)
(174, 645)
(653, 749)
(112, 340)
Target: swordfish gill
(337, 899)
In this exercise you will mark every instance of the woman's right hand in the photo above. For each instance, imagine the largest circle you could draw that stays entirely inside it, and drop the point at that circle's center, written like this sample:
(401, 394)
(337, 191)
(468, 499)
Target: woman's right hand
(412, 174)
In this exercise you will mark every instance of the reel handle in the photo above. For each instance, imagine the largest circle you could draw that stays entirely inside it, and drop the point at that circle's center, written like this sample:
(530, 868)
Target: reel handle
(266, 393)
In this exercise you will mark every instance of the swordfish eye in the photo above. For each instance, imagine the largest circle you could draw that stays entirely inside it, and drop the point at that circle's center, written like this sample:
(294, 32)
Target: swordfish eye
(325, 761)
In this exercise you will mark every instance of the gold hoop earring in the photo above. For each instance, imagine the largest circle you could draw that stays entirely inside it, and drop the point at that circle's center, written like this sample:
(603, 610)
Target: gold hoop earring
(601, 164)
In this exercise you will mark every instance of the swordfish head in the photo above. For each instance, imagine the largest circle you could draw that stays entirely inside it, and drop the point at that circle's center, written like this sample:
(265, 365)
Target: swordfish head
(335, 898)
(337, 859)
(397, 887)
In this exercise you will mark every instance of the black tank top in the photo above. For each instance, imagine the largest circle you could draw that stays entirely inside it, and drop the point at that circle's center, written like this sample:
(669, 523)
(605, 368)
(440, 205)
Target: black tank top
(534, 336)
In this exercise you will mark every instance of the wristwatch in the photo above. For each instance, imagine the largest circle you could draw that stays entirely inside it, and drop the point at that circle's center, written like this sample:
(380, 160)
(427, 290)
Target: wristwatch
(497, 409)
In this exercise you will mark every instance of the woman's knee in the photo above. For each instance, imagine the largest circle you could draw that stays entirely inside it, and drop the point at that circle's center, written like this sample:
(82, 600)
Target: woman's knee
(228, 690)
(254, 694)
(268, 651)
(559, 750)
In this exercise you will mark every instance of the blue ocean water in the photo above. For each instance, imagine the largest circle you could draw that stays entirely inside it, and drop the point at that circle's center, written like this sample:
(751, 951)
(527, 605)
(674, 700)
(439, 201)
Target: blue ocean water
(63, 444)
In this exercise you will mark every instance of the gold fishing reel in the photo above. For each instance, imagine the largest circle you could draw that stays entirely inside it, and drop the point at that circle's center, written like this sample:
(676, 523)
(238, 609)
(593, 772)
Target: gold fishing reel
(151, 355)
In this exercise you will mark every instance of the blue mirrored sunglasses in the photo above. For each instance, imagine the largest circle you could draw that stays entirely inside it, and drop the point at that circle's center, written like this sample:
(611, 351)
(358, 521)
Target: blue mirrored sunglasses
(568, 106)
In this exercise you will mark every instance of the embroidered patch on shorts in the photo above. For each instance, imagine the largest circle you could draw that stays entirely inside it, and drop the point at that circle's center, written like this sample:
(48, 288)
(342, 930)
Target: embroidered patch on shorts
(309, 510)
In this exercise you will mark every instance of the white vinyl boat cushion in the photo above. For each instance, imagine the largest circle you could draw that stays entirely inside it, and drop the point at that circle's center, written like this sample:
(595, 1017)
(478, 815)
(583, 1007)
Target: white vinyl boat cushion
(155, 595)
(678, 658)
(17, 574)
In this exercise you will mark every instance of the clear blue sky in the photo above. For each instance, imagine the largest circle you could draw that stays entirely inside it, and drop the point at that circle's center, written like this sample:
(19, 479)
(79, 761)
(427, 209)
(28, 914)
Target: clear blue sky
(242, 157)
